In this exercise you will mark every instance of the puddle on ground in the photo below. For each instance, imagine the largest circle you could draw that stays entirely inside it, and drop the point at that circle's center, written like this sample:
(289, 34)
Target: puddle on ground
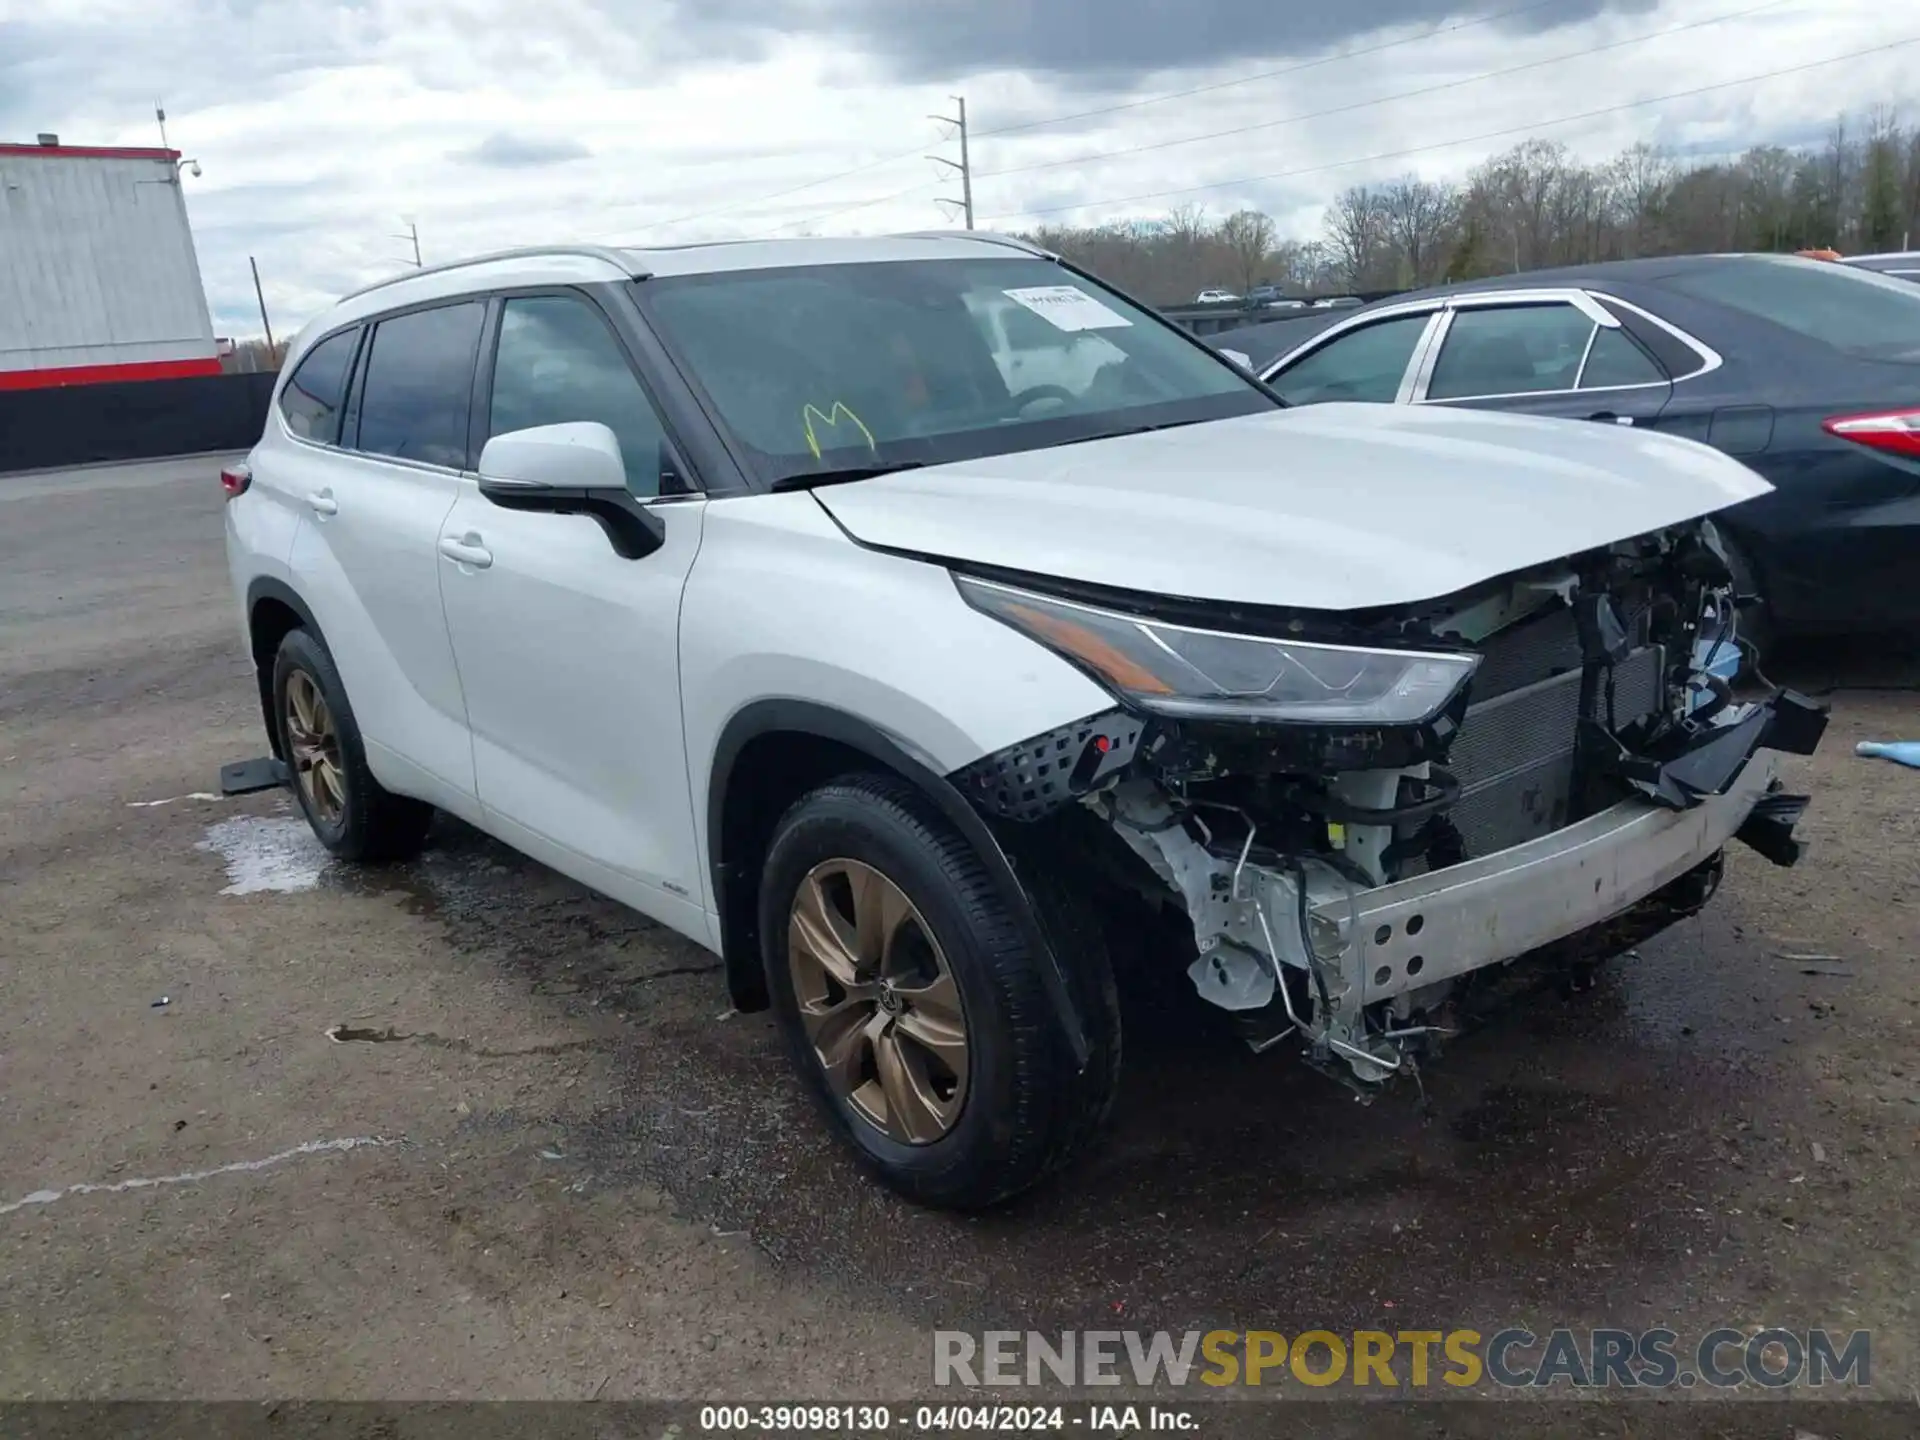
(266, 853)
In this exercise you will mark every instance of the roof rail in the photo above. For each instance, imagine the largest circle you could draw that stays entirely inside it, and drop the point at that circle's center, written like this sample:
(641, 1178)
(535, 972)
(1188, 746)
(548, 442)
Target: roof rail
(985, 237)
(623, 260)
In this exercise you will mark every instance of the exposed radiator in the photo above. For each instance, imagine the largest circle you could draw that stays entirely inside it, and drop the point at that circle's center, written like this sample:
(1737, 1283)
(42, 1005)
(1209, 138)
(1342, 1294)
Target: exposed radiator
(1514, 753)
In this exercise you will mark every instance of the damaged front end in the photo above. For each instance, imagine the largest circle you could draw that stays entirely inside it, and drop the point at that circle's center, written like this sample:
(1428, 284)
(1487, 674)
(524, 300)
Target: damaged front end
(1358, 812)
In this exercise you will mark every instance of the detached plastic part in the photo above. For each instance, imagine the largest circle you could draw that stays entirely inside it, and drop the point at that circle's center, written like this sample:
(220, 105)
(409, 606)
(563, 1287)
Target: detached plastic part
(244, 777)
(1797, 724)
(1680, 768)
(1769, 827)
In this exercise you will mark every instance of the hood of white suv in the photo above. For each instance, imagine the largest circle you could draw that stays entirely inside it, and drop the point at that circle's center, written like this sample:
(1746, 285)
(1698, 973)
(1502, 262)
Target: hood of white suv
(1325, 507)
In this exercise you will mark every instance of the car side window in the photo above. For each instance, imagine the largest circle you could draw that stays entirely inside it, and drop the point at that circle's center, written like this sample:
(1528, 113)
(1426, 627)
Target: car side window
(1510, 350)
(1617, 359)
(417, 389)
(559, 362)
(1367, 364)
(311, 400)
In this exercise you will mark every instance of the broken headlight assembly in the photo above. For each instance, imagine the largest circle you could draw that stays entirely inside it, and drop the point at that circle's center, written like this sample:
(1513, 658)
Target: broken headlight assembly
(1179, 672)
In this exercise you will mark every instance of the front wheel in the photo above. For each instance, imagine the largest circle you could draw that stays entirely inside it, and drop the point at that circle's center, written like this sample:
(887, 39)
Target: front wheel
(914, 1008)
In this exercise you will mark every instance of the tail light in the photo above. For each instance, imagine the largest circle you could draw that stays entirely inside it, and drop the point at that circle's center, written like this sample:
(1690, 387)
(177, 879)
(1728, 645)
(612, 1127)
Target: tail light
(235, 478)
(1897, 432)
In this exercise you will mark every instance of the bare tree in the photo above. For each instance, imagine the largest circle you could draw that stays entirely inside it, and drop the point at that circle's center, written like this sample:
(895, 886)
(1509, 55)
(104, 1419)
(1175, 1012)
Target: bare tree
(1642, 179)
(1882, 217)
(1766, 198)
(1837, 170)
(1357, 238)
(1535, 205)
(1247, 237)
(1418, 217)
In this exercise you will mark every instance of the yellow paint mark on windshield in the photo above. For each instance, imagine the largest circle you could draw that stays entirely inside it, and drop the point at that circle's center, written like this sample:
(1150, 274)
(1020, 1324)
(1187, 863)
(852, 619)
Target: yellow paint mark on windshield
(831, 420)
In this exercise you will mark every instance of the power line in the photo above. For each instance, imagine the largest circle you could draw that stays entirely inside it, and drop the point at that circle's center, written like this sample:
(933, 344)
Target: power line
(1468, 139)
(780, 194)
(1385, 99)
(866, 204)
(1266, 74)
(1024, 125)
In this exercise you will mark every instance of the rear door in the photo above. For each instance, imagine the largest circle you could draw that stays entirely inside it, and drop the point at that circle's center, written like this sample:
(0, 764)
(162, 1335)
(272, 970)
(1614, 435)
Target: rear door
(366, 557)
(1562, 356)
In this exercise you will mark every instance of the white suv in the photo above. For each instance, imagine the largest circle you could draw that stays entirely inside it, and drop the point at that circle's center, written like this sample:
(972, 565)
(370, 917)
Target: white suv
(748, 584)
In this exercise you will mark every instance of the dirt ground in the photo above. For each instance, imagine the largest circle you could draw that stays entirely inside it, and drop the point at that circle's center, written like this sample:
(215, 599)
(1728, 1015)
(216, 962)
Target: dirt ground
(544, 1161)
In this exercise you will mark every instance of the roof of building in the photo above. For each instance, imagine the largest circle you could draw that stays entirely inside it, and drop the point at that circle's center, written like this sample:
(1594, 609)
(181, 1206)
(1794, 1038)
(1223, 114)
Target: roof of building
(90, 152)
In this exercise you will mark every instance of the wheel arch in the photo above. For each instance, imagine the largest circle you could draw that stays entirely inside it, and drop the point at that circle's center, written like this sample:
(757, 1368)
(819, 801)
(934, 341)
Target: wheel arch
(773, 751)
(274, 609)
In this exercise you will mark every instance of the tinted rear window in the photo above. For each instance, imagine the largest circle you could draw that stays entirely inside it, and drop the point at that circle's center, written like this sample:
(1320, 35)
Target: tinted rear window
(419, 385)
(311, 399)
(1854, 311)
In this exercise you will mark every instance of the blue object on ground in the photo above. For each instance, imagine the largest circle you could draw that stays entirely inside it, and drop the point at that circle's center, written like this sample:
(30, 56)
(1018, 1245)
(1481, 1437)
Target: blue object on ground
(1904, 752)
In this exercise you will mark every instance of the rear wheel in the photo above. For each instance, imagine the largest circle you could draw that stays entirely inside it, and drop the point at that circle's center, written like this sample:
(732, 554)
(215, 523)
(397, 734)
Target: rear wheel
(352, 814)
(915, 1010)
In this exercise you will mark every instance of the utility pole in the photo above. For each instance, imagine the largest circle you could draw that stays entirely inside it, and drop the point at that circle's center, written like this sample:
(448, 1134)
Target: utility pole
(413, 234)
(265, 324)
(965, 167)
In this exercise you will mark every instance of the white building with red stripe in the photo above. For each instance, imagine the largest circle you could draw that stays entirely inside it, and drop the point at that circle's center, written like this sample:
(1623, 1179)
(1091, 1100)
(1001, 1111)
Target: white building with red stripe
(98, 277)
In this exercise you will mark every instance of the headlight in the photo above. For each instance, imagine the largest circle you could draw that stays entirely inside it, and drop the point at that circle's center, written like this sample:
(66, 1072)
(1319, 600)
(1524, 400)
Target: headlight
(1206, 674)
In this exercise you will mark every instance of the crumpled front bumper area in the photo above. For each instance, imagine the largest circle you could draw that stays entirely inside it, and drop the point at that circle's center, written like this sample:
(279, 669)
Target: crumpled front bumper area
(1434, 927)
(1303, 944)
(1657, 850)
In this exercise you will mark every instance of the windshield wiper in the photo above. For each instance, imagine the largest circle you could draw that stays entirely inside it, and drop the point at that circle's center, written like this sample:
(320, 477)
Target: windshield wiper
(807, 479)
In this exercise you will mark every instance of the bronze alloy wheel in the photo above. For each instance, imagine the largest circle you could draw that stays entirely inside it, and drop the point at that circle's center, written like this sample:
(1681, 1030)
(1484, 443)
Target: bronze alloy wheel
(313, 746)
(878, 1001)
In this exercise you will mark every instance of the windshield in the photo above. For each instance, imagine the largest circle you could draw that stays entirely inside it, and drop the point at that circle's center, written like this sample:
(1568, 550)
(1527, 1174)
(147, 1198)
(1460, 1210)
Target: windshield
(815, 369)
(1854, 311)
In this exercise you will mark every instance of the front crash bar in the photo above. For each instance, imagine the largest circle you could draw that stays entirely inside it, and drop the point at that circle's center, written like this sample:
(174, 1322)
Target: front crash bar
(1429, 928)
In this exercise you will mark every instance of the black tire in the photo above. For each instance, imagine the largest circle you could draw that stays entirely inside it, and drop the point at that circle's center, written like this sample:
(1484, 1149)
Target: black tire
(373, 823)
(1028, 1108)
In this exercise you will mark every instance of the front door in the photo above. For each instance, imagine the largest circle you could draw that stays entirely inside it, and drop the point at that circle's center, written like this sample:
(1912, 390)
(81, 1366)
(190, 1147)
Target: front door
(568, 653)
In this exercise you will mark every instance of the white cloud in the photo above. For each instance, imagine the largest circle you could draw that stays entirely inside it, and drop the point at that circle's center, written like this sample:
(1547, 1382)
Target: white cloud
(320, 124)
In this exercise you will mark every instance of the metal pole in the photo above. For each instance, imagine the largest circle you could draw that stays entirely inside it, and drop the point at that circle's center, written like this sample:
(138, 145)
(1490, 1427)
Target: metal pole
(413, 234)
(966, 162)
(265, 324)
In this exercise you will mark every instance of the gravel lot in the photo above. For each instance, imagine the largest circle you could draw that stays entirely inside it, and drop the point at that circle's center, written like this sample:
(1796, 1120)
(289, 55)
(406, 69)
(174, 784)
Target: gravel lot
(552, 1165)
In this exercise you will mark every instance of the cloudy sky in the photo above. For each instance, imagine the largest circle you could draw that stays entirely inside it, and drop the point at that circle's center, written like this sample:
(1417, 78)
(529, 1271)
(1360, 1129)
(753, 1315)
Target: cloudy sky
(323, 126)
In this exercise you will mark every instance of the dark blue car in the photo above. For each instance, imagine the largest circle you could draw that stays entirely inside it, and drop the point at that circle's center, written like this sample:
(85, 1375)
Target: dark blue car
(1805, 370)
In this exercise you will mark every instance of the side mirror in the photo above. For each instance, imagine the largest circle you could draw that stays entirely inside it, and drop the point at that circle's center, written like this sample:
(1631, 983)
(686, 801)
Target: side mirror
(571, 469)
(580, 455)
(1240, 358)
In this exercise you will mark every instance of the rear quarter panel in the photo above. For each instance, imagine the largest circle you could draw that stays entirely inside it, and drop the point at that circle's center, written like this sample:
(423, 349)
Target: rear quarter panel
(261, 526)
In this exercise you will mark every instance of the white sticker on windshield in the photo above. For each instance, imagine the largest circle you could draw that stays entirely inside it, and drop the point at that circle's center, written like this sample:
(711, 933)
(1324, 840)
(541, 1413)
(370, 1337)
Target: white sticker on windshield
(1067, 307)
